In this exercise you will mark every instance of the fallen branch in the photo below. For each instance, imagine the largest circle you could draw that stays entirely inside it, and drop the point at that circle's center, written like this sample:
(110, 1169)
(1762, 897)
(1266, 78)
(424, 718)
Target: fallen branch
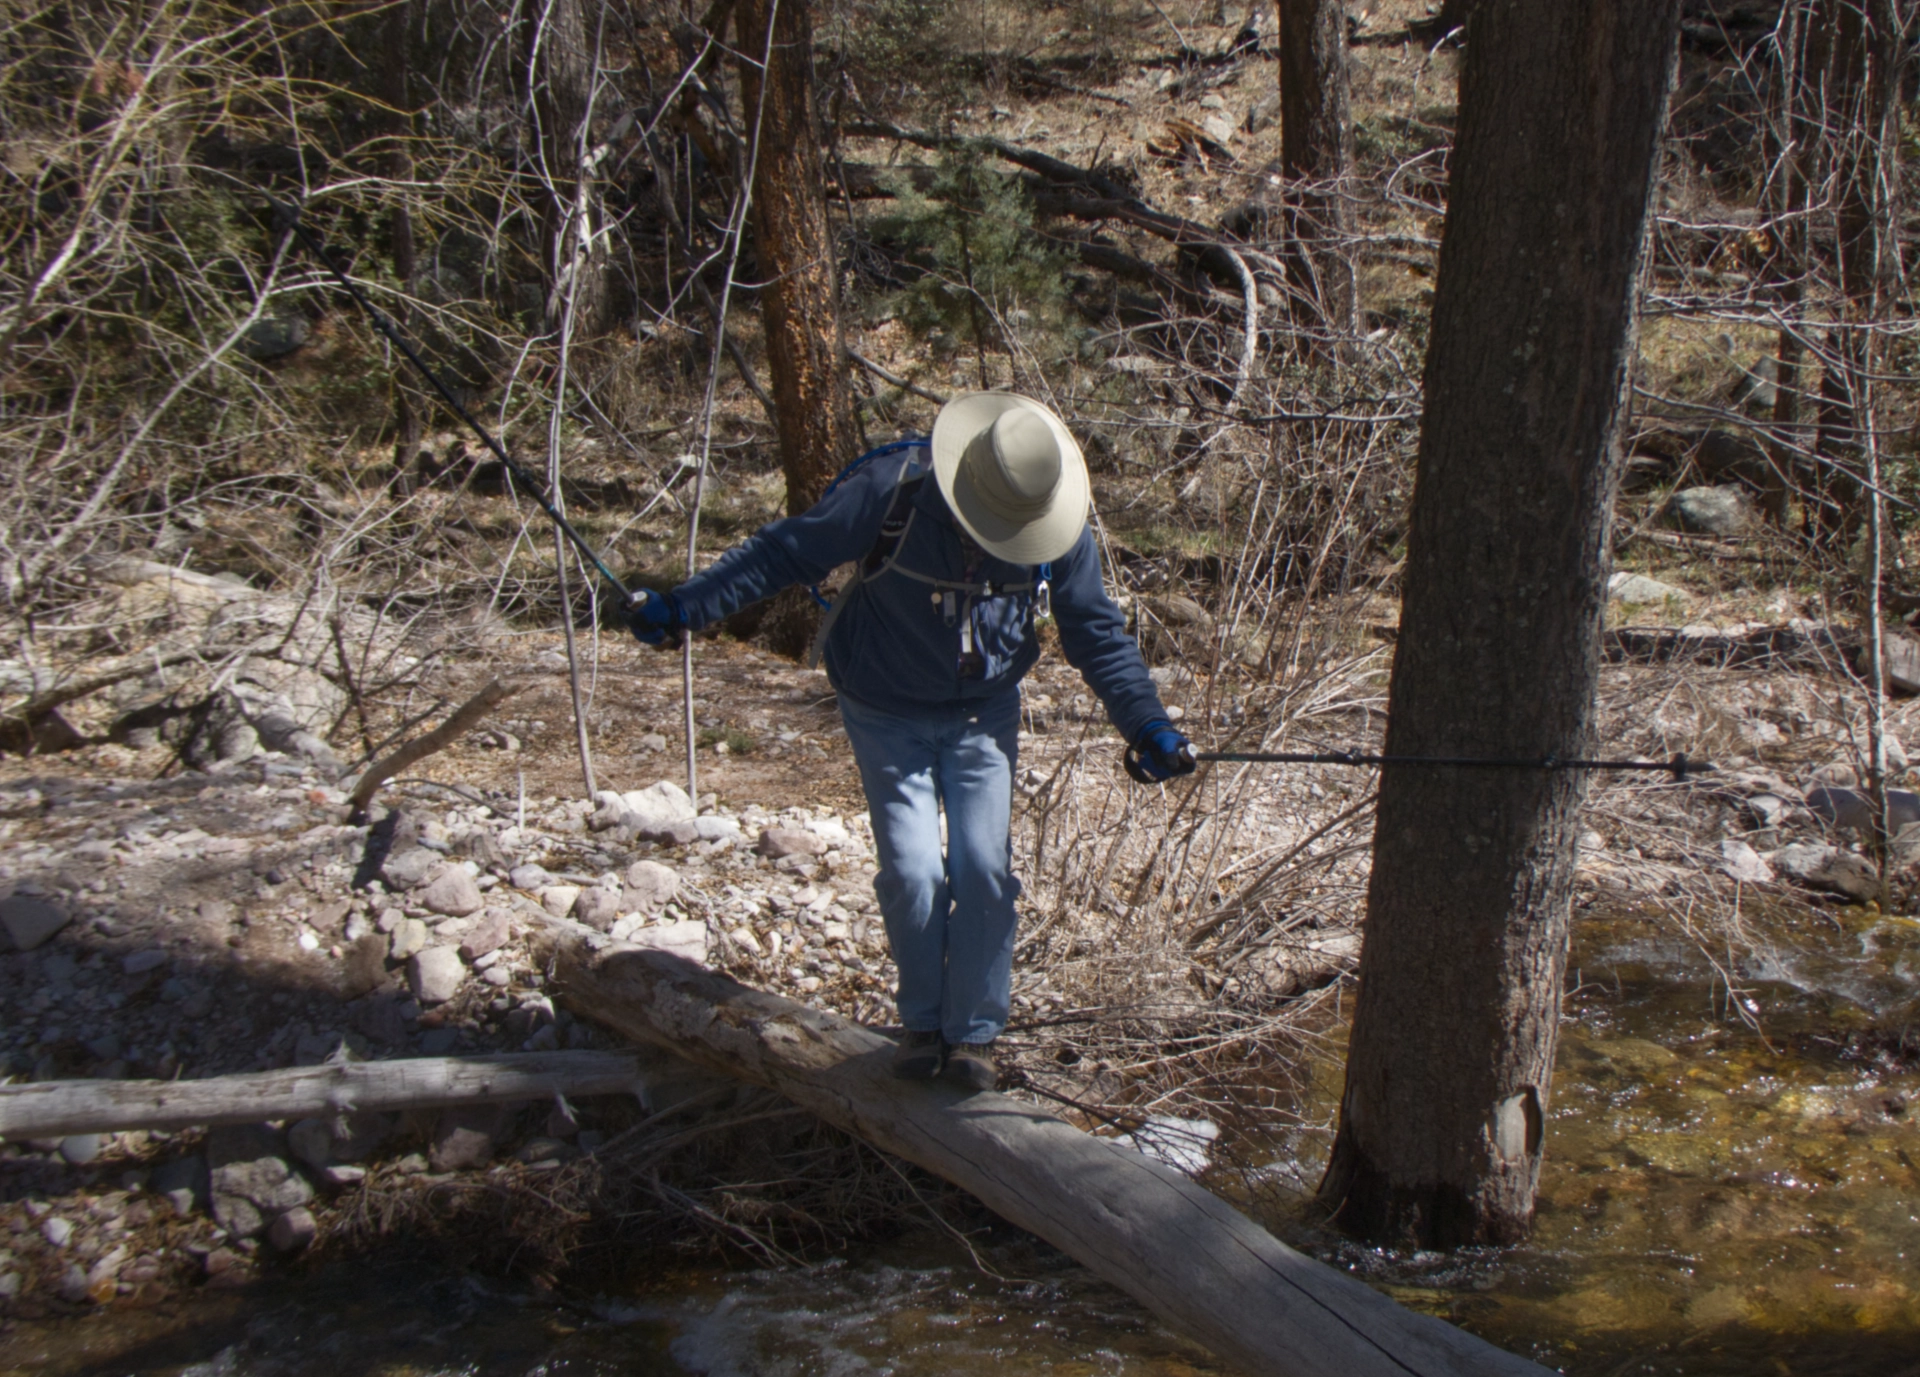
(52, 1109)
(464, 719)
(1177, 1248)
(895, 379)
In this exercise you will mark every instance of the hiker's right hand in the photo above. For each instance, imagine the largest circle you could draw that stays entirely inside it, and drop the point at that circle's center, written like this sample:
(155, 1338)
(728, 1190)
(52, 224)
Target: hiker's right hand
(657, 619)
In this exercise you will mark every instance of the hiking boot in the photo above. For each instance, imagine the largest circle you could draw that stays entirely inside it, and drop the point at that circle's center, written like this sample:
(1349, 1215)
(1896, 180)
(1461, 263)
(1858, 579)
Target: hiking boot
(970, 1065)
(919, 1055)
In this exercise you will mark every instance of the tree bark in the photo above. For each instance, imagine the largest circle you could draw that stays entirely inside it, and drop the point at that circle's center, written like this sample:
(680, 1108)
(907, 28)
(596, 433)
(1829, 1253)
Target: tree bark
(1316, 156)
(1178, 1249)
(1455, 1025)
(558, 67)
(799, 305)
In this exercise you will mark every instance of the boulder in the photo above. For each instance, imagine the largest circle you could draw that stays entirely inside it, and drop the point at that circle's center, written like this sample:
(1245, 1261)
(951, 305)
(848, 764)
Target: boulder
(529, 877)
(1828, 868)
(1721, 511)
(435, 975)
(1850, 810)
(1639, 589)
(493, 929)
(410, 867)
(651, 886)
(251, 1184)
(657, 806)
(293, 1230)
(453, 893)
(776, 842)
(409, 937)
(680, 832)
(598, 907)
(28, 922)
(1741, 862)
(273, 337)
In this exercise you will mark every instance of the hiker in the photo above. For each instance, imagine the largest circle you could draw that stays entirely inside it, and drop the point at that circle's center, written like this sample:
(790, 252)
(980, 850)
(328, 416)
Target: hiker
(925, 649)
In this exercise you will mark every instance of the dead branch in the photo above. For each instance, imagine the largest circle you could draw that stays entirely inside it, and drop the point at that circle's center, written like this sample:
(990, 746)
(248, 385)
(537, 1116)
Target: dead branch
(464, 719)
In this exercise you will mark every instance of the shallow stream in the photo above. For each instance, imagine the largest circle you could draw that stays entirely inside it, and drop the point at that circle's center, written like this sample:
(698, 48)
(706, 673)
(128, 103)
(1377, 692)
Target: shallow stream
(1720, 1198)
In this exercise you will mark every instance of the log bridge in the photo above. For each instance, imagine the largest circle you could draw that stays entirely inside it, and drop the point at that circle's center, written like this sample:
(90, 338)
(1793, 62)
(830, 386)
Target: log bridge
(1178, 1249)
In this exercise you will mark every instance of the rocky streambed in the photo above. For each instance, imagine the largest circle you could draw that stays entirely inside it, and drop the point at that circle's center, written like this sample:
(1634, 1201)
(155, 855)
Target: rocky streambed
(214, 924)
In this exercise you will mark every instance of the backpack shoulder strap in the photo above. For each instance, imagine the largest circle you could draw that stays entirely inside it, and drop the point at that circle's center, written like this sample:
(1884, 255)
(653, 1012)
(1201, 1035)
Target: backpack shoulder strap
(893, 529)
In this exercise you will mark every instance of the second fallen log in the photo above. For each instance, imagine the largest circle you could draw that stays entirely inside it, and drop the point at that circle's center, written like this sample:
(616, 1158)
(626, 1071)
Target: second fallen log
(53, 1109)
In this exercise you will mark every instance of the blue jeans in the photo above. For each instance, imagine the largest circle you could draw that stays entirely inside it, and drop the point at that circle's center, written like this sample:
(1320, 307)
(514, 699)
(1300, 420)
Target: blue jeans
(950, 917)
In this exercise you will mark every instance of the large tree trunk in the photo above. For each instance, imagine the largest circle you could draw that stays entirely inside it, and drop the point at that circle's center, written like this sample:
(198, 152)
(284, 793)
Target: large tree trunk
(1455, 1025)
(1316, 156)
(558, 65)
(799, 305)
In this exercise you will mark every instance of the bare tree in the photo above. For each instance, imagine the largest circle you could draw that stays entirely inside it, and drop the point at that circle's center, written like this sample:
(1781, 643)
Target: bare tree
(395, 65)
(1316, 154)
(558, 67)
(1451, 1056)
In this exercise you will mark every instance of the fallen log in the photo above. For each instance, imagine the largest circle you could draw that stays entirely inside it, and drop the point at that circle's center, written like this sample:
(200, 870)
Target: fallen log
(1178, 1249)
(53, 1109)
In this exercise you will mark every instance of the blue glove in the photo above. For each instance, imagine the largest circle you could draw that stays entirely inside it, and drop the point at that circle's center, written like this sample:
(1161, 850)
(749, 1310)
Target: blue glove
(656, 618)
(1158, 754)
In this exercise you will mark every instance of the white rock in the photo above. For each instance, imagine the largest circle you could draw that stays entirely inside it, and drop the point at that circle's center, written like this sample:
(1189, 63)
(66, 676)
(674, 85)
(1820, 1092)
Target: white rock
(411, 867)
(831, 830)
(598, 906)
(293, 1230)
(529, 877)
(1638, 588)
(687, 938)
(1741, 862)
(409, 936)
(435, 974)
(651, 886)
(559, 899)
(715, 827)
(452, 892)
(743, 936)
(658, 805)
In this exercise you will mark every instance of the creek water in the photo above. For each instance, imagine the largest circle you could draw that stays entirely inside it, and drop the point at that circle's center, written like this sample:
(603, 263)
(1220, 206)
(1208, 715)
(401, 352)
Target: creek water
(1719, 1198)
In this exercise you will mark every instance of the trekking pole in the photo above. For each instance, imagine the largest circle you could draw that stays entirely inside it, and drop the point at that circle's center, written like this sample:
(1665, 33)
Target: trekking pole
(1680, 766)
(286, 219)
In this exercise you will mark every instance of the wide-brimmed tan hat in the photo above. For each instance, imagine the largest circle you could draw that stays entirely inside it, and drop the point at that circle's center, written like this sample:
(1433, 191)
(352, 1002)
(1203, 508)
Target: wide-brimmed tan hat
(1013, 475)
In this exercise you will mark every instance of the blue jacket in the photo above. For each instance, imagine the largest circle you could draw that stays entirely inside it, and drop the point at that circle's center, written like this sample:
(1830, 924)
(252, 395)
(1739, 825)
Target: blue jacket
(896, 645)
